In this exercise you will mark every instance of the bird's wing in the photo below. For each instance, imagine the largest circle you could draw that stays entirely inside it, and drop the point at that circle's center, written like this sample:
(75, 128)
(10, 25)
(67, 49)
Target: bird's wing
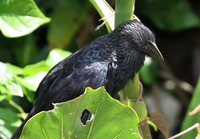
(68, 79)
(53, 74)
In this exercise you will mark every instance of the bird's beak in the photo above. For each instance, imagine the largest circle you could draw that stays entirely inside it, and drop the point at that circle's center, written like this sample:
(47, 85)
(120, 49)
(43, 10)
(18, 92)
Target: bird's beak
(154, 52)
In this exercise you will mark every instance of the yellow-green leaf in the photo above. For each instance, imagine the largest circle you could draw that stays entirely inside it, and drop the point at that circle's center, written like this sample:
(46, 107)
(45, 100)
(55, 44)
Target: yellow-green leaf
(110, 119)
(20, 17)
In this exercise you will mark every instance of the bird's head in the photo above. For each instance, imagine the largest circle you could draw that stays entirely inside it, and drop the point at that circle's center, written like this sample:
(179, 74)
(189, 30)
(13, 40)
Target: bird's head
(140, 37)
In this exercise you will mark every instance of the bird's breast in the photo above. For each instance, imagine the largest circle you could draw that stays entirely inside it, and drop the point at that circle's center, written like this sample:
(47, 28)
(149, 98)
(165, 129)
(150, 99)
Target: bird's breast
(122, 70)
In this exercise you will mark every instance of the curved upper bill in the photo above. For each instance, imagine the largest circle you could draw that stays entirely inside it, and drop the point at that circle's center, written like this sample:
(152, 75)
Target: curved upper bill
(154, 52)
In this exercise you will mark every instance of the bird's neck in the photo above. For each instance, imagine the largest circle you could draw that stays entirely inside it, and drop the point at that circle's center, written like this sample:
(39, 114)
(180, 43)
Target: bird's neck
(130, 63)
(129, 58)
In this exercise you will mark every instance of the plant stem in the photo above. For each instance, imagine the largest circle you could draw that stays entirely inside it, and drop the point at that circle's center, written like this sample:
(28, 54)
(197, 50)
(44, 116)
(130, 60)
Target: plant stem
(144, 130)
(15, 105)
(131, 93)
(106, 12)
(124, 11)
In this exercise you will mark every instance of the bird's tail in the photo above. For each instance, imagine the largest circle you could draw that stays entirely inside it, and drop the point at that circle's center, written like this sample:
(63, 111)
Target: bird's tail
(18, 132)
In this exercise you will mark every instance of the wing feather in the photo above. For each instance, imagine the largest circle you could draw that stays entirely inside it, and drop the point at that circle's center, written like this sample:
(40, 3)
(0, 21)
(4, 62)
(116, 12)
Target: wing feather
(69, 78)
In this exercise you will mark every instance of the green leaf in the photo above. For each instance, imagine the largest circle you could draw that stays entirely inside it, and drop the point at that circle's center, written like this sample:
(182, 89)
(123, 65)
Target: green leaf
(20, 17)
(66, 21)
(170, 15)
(56, 55)
(190, 120)
(16, 70)
(32, 82)
(110, 119)
(9, 121)
(32, 69)
(35, 73)
(9, 84)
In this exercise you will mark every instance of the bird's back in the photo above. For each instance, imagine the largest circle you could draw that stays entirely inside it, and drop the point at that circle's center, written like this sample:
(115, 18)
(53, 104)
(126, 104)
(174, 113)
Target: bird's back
(87, 67)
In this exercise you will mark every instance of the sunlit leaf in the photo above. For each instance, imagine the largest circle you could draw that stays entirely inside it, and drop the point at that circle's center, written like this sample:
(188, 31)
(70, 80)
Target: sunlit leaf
(16, 70)
(33, 74)
(32, 82)
(32, 69)
(20, 17)
(110, 119)
(56, 55)
(9, 84)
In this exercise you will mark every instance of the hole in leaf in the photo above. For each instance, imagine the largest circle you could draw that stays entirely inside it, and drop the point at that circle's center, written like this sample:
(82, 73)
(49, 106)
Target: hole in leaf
(86, 116)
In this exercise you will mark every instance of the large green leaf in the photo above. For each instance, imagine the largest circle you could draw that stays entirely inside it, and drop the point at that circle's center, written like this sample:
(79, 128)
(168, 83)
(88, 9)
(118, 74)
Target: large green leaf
(170, 15)
(9, 84)
(66, 21)
(192, 119)
(110, 119)
(20, 17)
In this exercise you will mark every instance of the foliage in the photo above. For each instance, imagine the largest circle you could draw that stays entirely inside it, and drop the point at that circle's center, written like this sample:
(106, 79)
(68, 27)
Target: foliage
(9, 85)
(16, 81)
(18, 19)
(109, 119)
(65, 11)
(172, 16)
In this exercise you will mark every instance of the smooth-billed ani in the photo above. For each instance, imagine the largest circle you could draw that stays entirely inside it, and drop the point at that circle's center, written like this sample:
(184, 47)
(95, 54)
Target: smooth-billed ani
(110, 61)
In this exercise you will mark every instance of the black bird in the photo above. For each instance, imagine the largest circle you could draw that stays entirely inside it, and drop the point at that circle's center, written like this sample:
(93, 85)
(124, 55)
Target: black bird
(110, 61)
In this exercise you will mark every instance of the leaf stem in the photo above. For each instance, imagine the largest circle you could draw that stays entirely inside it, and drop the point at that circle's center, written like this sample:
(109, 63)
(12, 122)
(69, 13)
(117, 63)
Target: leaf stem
(15, 105)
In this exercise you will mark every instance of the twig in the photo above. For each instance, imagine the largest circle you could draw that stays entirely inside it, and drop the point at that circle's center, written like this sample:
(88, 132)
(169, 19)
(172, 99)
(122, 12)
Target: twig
(185, 131)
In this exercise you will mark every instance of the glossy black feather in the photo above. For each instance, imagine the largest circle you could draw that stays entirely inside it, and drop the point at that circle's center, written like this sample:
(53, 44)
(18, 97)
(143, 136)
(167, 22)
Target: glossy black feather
(109, 61)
